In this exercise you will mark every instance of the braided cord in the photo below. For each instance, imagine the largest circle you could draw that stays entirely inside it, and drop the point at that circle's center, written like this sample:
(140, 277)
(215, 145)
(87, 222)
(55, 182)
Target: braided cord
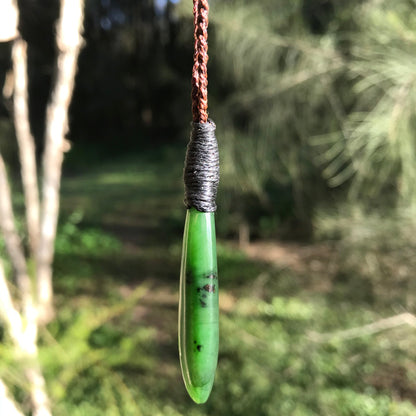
(199, 70)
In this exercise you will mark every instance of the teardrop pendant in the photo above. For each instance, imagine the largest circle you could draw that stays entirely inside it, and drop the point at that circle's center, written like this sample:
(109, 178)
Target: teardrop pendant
(198, 305)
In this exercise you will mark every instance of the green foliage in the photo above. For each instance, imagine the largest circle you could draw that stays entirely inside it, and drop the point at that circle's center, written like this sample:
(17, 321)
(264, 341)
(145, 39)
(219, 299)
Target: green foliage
(113, 347)
(73, 240)
(377, 146)
(272, 65)
(82, 352)
(269, 366)
(290, 308)
(375, 252)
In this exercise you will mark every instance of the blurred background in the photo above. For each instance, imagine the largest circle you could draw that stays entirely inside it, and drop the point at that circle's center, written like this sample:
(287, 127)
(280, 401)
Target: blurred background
(314, 102)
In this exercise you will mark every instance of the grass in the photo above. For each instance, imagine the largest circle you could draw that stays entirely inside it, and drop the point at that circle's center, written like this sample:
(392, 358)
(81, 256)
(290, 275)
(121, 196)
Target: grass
(113, 348)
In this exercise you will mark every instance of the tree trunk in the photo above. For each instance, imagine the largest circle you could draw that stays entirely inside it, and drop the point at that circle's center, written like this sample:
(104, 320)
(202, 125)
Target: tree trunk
(12, 242)
(26, 143)
(69, 42)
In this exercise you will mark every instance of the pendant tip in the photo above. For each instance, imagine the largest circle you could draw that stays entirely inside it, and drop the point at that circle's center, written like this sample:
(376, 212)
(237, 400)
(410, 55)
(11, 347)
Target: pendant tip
(201, 394)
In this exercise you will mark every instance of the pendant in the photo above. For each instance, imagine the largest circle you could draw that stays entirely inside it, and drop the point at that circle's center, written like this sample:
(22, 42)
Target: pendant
(198, 305)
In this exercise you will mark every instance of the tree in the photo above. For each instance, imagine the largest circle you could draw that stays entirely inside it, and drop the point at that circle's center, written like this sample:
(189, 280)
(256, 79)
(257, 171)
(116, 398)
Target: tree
(25, 310)
(375, 150)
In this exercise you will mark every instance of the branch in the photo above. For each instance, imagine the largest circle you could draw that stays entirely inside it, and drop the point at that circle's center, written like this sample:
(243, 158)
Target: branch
(8, 84)
(26, 143)
(12, 241)
(69, 41)
(39, 398)
(370, 329)
(8, 313)
(7, 405)
(24, 338)
(8, 20)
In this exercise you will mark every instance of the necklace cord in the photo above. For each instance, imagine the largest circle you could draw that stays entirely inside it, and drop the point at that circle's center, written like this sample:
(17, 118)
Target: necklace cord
(199, 70)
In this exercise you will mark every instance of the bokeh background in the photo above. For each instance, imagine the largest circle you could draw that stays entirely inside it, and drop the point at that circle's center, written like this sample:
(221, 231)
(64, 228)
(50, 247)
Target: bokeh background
(314, 102)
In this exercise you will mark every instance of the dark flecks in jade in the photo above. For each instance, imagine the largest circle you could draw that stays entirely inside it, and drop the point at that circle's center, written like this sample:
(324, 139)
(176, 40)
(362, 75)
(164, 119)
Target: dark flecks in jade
(198, 347)
(209, 288)
(212, 276)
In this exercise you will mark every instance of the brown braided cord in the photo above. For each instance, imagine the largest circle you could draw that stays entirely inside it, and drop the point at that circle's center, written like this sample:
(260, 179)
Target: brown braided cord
(199, 70)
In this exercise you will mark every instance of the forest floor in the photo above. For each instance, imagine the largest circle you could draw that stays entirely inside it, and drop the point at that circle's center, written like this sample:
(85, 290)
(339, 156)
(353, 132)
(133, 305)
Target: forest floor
(118, 258)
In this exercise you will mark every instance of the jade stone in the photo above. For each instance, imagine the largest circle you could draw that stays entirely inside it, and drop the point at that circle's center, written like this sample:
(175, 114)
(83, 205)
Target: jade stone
(198, 305)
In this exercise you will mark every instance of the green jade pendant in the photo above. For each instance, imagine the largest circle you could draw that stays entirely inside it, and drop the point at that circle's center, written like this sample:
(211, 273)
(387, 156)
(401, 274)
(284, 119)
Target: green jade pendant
(198, 305)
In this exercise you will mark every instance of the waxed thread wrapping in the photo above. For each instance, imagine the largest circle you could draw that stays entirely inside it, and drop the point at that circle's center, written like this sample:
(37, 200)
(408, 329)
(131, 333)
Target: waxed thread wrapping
(202, 171)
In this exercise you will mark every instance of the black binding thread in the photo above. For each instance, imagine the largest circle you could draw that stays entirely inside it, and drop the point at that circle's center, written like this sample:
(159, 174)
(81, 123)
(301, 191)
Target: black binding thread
(202, 169)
